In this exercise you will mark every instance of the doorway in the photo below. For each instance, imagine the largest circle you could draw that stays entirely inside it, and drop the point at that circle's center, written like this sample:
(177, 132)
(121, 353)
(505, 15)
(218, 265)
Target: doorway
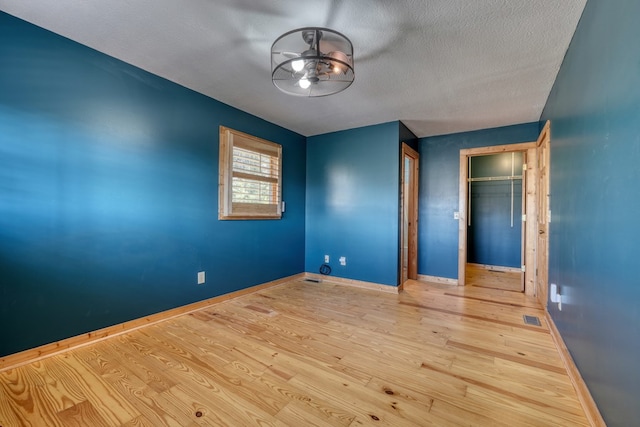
(494, 221)
(409, 173)
(528, 210)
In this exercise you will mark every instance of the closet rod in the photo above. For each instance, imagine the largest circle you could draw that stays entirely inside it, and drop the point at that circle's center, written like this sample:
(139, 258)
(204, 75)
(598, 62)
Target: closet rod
(495, 178)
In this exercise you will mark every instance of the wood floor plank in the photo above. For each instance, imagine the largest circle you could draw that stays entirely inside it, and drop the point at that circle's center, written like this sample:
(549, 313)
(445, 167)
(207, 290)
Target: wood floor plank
(421, 385)
(27, 399)
(230, 386)
(219, 406)
(140, 422)
(82, 414)
(8, 416)
(111, 405)
(315, 354)
(364, 403)
(298, 414)
(539, 397)
(492, 277)
(528, 414)
(120, 357)
(142, 396)
(543, 386)
(518, 358)
(402, 394)
(466, 314)
(452, 415)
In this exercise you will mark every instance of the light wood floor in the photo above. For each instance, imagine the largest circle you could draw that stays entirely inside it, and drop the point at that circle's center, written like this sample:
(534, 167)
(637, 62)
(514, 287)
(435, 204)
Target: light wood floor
(305, 354)
(487, 278)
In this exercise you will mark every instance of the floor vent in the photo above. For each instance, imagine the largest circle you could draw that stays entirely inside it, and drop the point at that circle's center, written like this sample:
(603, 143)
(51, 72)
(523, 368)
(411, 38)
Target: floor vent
(312, 280)
(531, 320)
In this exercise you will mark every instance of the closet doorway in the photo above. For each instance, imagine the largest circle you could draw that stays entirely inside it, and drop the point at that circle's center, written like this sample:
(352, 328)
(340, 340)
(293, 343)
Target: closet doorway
(483, 245)
(495, 205)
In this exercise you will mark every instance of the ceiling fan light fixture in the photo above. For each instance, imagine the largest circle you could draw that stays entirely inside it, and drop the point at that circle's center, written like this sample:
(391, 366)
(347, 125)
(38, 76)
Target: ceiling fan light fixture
(297, 65)
(340, 61)
(304, 83)
(312, 62)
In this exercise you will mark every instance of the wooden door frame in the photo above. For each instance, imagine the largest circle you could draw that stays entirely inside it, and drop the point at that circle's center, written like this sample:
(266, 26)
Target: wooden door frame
(542, 292)
(412, 263)
(530, 177)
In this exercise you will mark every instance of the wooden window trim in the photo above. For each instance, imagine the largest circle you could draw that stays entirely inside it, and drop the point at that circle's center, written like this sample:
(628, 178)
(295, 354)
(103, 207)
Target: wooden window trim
(229, 210)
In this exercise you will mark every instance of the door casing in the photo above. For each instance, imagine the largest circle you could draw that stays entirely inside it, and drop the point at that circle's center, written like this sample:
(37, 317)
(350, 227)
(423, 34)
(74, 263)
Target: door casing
(409, 201)
(530, 225)
(544, 214)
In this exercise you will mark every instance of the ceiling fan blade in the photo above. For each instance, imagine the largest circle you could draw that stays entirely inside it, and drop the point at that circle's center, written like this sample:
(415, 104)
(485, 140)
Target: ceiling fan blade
(289, 54)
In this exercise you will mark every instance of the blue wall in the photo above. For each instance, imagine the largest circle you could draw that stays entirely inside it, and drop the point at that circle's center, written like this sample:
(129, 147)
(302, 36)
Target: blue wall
(353, 202)
(594, 110)
(108, 193)
(439, 181)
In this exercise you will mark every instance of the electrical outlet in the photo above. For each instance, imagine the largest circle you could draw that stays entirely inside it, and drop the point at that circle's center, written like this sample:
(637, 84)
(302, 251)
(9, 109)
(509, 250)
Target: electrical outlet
(326, 259)
(456, 215)
(200, 277)
(343, 260)
(555, 296)
(553, 292)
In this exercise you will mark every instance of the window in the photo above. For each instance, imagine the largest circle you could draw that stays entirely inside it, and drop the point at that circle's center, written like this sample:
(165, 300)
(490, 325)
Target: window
(250, 177)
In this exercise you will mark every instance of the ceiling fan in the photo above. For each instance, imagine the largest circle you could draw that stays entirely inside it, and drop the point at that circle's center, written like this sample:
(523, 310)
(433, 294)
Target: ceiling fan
(312, 62)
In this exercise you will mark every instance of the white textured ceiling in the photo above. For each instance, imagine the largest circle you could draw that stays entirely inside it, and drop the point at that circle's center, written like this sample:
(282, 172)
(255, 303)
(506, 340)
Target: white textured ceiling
(440, 66)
